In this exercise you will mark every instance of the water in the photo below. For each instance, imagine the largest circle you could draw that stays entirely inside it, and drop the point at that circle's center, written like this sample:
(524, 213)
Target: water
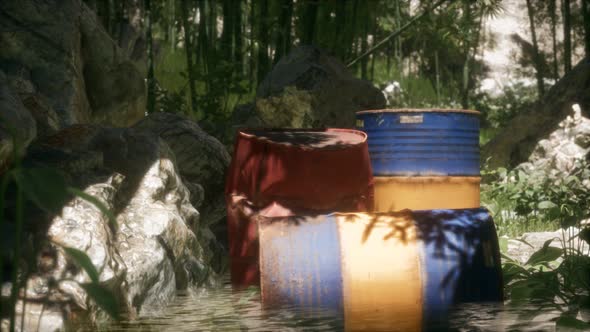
(224, 309)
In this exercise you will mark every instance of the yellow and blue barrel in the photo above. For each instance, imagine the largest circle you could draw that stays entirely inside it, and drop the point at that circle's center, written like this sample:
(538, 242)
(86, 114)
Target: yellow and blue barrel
(394, 193)
(423, 158)
(382, 272)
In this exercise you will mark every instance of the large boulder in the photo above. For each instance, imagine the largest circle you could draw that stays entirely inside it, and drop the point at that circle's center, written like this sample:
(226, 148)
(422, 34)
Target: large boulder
(516, 142)
(202, 160)
(17, 125)
(59, 55)
(156, 246)
(308, 88)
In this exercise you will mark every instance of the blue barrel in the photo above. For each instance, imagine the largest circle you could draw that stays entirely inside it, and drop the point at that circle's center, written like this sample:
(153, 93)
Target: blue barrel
(422, 142)
(391, 271)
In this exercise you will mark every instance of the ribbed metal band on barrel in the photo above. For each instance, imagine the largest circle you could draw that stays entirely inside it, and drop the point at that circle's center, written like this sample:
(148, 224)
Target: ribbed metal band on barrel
(419, 110)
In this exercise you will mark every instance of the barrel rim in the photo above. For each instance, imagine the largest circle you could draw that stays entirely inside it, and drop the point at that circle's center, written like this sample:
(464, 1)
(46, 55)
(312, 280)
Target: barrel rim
(419, 110)
(364, 216)
(244, 134)
(445, 178)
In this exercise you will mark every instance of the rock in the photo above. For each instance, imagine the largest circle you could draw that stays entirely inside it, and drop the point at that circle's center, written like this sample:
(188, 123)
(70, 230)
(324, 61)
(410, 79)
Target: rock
(522, 252)
(309, 88)
(201, 158)
(515, 143)
(114, 84)
(566, 145)
(156, 246)
(61, 54)
(16, 124)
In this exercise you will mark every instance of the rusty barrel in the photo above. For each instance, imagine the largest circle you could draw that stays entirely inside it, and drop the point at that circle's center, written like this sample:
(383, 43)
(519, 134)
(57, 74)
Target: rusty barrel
(422, 142)
(399, 271)
(278, 171)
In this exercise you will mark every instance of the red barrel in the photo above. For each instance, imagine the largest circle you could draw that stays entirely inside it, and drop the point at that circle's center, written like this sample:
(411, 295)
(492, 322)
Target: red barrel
(281, 172)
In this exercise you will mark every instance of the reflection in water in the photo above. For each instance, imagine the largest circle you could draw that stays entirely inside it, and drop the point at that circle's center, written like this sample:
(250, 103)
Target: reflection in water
(226, 310)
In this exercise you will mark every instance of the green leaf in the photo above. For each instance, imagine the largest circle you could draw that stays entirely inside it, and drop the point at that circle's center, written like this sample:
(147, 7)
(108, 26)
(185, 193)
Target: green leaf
(96, 202)
(546, 205)
(104, 298)
(525, 242)
(83, 261)
(503, 242)
(568, 323)
(46, 187)
(544, 255)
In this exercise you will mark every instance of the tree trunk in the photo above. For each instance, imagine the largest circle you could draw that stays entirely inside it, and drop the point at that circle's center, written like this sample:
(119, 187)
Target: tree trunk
(340, 30)
(172, 25)
(151, 83)
(188, 49)
(284, 29)
(263, 60)
(538, 64)
(364, 42)
(515, 142)
(252, 62)
(567, 39)
(228, 29)
(398, 40)
(552, 14)
(586, 15)
(212, 17)
(437, 70)
(309, 19)
(238, 45)
(203, 39)
(105, 14)
(375, 39)
(352, 40)
(466, 52)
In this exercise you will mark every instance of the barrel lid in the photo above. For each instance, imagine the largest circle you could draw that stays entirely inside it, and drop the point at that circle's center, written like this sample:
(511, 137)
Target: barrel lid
(419, 110)
(331, 138)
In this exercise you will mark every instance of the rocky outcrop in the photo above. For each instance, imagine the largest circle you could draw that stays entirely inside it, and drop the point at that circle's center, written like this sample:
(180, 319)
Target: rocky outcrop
(557, 155)
(202, 160)
(17, 126)
(308, 88)
(156, 246)
(515, 143)
(67, 67)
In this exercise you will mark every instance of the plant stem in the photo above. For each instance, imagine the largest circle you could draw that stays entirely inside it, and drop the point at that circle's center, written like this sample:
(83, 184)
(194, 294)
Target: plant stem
(16, 258)
(3, 187)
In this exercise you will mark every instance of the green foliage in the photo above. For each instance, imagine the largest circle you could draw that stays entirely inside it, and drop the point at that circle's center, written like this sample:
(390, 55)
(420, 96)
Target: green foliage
(44, 186)
(552, 277)
(499, 110)
(526, 201)
(84, 262)
(101, 295)
(103, 298)
(556, 277)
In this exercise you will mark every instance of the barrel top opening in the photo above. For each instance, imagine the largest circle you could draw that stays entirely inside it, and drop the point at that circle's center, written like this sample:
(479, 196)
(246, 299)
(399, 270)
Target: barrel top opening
(419, 110)
(308, 138)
